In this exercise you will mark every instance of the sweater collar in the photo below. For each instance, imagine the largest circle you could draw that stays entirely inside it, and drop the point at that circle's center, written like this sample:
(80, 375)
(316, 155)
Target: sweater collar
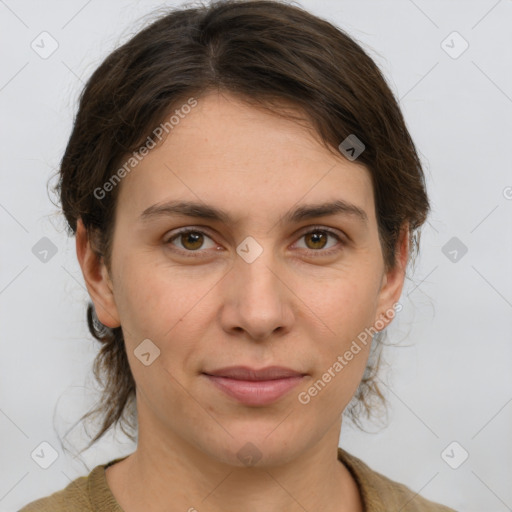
(103, 500)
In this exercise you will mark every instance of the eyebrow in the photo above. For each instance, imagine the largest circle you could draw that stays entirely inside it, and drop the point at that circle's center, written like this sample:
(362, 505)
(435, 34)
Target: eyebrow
(203, 211)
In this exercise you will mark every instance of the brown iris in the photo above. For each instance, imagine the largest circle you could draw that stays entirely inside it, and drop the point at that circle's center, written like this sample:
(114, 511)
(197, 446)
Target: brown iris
(318, 238)
(192, 240)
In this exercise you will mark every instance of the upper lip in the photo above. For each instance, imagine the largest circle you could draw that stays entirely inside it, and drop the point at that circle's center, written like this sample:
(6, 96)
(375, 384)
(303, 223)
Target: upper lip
(247, 373)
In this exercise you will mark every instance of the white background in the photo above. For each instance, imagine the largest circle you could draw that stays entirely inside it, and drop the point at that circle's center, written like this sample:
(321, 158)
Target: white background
(454, 380)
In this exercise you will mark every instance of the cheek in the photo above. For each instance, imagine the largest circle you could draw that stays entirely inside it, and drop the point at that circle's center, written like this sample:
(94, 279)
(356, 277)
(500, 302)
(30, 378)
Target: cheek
(161, 304)
(154, 299)
(346, 308)
(346, 304)
(155, 309)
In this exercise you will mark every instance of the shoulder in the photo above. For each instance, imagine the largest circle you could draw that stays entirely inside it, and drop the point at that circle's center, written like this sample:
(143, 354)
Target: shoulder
(72, 497)
(381, 494)
(85, 494)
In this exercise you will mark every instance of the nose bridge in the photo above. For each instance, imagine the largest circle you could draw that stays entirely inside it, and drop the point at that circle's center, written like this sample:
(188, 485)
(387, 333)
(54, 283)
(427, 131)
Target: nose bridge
(257, 271)
(259, 296)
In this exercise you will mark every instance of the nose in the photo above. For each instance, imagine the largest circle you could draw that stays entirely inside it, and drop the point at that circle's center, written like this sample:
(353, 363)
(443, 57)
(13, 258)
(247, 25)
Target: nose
(257, 300)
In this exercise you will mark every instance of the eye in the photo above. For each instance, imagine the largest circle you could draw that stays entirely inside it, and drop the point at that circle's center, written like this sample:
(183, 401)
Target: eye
(191, 240)
(317, 239)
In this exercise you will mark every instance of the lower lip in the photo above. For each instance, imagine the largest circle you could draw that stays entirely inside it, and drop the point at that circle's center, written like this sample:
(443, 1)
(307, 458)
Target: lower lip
(260, 392)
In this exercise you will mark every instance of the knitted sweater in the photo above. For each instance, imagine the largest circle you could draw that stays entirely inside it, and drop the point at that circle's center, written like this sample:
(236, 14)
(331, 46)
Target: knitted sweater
(379, 494)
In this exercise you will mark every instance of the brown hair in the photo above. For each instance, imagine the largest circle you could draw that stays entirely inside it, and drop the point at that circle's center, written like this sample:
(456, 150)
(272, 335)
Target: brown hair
(268, 53)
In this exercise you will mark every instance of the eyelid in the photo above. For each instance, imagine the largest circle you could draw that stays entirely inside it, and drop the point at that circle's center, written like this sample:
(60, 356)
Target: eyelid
(204, 230)
(341, 238)
(188, 229)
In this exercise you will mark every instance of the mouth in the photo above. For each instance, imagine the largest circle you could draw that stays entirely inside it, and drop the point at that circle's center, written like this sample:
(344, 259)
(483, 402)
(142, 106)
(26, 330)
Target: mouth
(255, 387)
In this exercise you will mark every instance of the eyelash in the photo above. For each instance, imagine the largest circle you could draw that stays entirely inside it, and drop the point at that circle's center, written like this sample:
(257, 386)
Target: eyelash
(314, 229)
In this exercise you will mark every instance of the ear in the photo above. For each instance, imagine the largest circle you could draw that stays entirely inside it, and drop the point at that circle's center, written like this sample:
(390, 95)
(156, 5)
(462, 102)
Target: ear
(393, 281)
(97, 279)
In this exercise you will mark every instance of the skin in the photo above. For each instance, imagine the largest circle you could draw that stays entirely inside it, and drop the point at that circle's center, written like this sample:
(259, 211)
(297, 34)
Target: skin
(294, 306)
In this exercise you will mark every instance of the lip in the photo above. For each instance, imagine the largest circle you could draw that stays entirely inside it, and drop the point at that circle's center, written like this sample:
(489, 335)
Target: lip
(253, 374)
(255, 387)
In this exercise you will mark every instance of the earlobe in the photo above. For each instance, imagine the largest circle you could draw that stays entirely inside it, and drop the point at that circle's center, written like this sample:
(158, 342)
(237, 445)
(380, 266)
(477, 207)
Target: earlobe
(97, 280)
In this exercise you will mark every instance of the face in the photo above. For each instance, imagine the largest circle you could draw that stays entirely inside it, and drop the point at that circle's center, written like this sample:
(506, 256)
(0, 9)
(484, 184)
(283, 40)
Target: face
(251, 277)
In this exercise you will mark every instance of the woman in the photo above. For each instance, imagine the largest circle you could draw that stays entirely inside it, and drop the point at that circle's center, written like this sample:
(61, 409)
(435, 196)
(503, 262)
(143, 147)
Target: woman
(245, 197)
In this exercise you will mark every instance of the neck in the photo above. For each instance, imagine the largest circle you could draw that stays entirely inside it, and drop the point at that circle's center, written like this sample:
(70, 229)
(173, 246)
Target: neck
(166, 471)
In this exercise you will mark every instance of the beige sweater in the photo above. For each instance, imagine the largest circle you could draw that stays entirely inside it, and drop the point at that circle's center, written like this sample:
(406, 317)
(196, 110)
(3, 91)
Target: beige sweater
(380, 494)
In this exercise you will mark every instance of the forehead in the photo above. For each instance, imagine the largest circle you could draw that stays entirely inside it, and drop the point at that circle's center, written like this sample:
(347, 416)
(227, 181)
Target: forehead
(226, 152)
